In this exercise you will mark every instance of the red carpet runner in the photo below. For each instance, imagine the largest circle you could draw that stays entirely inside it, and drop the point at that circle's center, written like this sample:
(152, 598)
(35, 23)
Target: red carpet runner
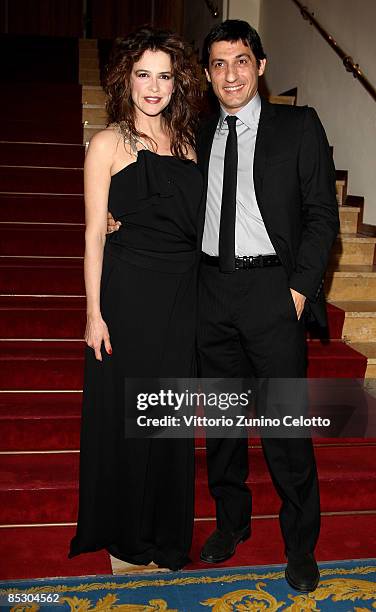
(42, 319)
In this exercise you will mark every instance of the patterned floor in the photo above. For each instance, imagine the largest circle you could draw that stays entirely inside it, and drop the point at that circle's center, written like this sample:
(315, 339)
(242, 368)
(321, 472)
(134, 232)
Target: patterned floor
(346, 586)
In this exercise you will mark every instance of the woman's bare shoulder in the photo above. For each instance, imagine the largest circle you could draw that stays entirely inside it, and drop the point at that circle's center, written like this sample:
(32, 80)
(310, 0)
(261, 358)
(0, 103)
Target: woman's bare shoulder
(105, 140)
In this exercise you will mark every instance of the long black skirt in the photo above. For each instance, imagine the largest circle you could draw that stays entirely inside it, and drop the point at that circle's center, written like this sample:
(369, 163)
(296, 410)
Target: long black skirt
(137, 495)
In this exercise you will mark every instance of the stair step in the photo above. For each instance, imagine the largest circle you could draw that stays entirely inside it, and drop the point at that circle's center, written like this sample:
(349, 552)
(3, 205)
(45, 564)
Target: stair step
(42, 317)
(348, 216)
(334, 359)
(368, 349)
(348, 282)
(38, 208)
(360, 320)
(93, 95)
(38, 59)
(89, 62)
(31, 130)
(87, 43)
(40, 421)
(336, 317)
(45, 239)
(88, 53)
(43, 488)
(337, 468)
(42, 101)
(89, 76)
(341, 186)
(42, 276)
(46, 365)
(94, 115)
(353, 249)
(50, 421)
(28, 179)
(58, 365)
(34, 552)
(36, 154)
(71, 240)
(90, 130)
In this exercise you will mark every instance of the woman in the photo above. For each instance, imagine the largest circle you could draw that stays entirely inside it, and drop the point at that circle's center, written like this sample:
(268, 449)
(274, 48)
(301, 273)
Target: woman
(136, 495)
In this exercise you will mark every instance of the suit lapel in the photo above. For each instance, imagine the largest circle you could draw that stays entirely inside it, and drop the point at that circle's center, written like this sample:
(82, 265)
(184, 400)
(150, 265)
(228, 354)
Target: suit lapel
(263, 139)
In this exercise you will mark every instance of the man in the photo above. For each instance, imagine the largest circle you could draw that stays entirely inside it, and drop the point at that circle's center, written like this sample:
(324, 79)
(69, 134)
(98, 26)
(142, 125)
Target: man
(268, 222)
(284, 208)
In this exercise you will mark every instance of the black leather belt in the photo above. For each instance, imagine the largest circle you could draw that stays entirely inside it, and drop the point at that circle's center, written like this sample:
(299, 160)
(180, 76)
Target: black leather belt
(245, 263)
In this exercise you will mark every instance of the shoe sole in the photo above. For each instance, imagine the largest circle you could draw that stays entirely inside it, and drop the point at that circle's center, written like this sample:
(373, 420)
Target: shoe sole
(298, 587)
(245, 537)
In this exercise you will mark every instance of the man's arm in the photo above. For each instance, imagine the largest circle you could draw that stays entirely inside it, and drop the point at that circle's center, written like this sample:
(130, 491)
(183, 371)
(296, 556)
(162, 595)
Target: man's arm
(320, 208)
(112, 225)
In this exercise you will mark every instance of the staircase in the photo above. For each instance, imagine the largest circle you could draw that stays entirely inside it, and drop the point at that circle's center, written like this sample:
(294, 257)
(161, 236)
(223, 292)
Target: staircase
(42, 321)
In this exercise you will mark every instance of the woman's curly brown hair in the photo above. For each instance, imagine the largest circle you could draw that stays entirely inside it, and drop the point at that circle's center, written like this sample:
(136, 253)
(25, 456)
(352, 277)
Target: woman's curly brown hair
(181, 113)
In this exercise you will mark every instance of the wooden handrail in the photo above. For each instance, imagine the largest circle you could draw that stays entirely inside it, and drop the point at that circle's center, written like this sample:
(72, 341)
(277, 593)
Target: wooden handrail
(347, 60)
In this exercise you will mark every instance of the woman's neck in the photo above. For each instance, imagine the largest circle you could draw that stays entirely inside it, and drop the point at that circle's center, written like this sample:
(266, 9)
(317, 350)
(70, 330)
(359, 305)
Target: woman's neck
(151, 126)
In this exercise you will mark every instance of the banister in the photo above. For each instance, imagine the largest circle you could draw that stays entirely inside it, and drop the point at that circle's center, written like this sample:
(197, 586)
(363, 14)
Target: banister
(347, 60)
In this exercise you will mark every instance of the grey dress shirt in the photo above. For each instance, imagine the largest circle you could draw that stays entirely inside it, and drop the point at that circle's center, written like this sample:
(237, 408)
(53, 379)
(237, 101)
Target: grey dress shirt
(251, 237)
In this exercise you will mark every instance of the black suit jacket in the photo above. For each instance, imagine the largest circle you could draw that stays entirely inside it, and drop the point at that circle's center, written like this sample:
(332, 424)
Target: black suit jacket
(294, 180)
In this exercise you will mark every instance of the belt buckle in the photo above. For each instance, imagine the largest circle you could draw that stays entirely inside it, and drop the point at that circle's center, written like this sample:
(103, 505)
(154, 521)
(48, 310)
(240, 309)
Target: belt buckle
(246, 262)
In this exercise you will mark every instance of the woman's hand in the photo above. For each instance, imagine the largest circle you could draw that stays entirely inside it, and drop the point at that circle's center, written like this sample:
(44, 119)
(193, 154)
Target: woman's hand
(96, 331)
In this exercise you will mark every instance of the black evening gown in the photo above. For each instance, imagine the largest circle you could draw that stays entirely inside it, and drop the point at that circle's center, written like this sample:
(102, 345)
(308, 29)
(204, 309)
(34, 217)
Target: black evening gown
(137, 495)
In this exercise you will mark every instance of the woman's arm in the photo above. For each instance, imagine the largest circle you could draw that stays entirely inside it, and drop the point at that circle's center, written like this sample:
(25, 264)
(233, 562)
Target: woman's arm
(97, 177)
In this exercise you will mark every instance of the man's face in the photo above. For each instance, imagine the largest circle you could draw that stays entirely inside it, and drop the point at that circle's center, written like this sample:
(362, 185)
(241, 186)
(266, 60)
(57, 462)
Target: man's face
(233, 73)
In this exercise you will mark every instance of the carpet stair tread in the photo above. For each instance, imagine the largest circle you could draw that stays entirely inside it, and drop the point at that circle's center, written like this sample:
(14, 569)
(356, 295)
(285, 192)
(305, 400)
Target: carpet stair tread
(42, 551)
(46, 470)
(47, 303)
(31, 130)
(40, 421)
(45, 488)
(47, 239)
(53, 349)
(28, 179)
(44, 317)
(46, 365)
(333, 348)
(45, 350)
(51, 421)
(49, 364)
(42, 275)
(342, 537)
(43, 99)
(34, 208)
(40, 405)
(38, 154)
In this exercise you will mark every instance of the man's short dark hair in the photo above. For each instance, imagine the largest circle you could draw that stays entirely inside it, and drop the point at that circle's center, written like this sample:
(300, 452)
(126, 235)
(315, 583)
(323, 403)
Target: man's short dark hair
(232, 30)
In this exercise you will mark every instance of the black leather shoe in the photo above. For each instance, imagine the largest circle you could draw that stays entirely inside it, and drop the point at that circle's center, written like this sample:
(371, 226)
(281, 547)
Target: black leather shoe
(221, 545)
(302, 572)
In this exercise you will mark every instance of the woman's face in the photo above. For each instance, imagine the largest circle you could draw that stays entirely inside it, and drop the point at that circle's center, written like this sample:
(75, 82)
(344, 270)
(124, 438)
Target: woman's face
(152, 82)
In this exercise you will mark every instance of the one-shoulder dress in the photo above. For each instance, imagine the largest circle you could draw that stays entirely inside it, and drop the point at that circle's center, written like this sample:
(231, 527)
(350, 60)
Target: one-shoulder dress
(136, 496)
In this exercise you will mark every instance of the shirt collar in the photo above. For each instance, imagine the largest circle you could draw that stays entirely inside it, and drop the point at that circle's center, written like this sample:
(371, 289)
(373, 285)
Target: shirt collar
(249, 114)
